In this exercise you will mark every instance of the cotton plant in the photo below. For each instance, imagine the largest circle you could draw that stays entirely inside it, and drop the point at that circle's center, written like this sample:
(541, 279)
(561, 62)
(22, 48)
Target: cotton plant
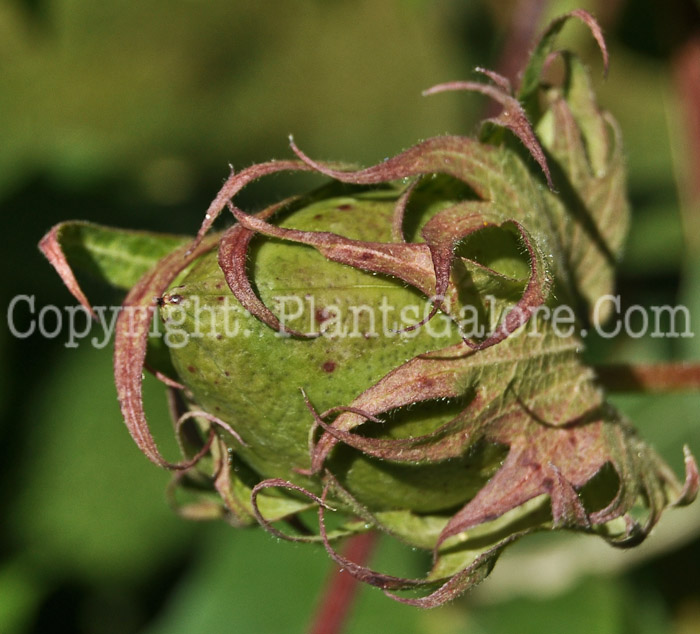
(399, 350)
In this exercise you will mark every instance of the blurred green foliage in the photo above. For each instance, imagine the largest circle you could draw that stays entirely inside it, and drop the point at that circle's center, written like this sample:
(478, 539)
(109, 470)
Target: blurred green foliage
(128, 113)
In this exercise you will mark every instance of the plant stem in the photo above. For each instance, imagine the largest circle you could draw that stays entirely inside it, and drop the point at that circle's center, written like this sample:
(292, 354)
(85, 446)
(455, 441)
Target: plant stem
(653, 377)
(337, 598)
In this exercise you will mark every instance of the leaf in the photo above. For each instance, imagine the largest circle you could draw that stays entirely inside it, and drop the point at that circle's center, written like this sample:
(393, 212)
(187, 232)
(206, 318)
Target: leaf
(245, 581)
(591, 214)
(596, 604)
(530, 83)
(89, 504)
(118, 257)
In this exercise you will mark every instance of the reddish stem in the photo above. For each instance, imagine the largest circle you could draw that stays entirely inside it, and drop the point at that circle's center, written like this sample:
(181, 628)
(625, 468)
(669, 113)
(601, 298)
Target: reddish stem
(686, 74)
(338, 596)
(653, 377)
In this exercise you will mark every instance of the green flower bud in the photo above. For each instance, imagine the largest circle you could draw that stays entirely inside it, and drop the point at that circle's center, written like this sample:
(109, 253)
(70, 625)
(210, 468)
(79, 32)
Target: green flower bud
(245, 372)
(387, 349)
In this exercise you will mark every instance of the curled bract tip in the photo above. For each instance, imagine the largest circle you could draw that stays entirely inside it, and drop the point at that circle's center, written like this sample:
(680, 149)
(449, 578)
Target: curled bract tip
(50, 246)
(589, 20)
(512, 116)
(691, 485)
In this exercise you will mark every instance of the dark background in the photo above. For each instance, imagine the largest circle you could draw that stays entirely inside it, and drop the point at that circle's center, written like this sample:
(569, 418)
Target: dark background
(129, 113)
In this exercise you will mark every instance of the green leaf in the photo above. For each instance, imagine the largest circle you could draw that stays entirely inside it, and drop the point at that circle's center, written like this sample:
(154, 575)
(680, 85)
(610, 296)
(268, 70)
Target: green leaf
(118, 257)
(21, 593)
(530, 83)
(89, 505)
(590, 216)
(244, 581)
(594, 605)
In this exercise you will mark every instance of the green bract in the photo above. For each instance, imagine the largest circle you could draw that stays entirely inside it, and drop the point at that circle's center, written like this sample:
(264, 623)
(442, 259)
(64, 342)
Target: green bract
(390, 348)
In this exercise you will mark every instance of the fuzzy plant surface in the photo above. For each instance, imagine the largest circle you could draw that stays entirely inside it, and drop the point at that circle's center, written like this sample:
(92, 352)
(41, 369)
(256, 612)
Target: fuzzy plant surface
(399, 350)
